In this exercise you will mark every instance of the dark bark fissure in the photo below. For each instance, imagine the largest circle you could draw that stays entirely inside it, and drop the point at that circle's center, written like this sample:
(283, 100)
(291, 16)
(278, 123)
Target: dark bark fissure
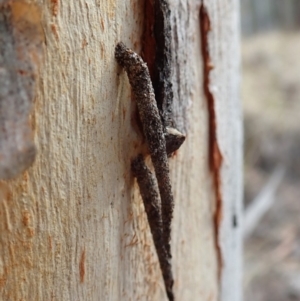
(158, 56)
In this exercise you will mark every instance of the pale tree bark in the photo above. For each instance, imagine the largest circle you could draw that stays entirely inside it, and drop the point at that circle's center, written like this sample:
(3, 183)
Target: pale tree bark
(73, 225)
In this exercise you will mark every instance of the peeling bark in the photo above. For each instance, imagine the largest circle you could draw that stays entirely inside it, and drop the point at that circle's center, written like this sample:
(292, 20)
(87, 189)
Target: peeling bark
(20, 53)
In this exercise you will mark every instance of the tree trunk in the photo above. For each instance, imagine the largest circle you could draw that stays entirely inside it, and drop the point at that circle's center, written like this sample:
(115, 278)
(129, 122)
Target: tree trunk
(73, 225)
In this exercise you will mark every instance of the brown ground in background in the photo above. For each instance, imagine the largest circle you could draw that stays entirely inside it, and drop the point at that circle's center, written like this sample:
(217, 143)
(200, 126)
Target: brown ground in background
(271, 96)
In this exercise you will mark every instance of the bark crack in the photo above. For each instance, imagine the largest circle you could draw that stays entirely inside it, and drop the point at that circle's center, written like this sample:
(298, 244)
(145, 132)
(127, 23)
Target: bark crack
(215, 156)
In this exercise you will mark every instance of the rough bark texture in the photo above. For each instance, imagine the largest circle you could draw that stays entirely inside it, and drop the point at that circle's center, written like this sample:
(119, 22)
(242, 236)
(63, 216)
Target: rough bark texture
(73, 226)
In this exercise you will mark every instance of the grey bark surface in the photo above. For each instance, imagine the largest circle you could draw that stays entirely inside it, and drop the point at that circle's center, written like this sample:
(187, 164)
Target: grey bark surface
(73, 226)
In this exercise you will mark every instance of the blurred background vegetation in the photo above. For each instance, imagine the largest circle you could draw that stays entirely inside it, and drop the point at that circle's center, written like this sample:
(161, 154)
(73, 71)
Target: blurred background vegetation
(271, 100)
